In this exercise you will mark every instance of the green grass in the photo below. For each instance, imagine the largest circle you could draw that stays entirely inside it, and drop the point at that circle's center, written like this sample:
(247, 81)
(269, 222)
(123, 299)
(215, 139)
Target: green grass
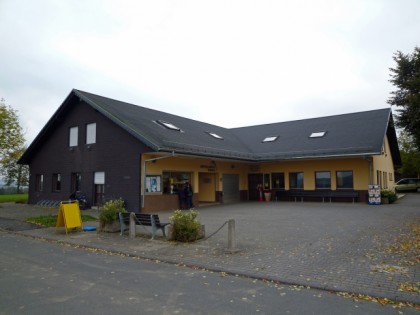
(18, 198)
(51, 220)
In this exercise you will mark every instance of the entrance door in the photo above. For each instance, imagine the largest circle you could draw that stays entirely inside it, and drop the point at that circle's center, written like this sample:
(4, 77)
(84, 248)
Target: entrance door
(207, 187)
(231, 188)
(253, 181)
(99, 182)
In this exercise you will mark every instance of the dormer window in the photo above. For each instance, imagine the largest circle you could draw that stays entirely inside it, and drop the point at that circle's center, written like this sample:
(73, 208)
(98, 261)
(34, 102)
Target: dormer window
(318, 134)
(215, 135)
(168, 125)
(270, 139)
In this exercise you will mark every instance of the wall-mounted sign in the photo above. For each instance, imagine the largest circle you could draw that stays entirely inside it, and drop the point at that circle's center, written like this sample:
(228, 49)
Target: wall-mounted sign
(153, 183)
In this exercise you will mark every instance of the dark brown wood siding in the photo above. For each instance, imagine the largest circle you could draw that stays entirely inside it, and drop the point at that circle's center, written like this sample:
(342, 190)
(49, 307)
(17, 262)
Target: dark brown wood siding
(116, 152)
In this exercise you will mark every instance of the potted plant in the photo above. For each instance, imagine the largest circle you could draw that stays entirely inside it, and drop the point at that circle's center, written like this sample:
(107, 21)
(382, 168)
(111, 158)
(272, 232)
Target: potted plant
(185, 227)
(388, 196)
(267, 194)
(108, 217)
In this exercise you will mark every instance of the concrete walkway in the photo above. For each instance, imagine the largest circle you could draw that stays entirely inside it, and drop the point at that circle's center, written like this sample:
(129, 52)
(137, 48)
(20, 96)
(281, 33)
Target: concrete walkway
(332, 246)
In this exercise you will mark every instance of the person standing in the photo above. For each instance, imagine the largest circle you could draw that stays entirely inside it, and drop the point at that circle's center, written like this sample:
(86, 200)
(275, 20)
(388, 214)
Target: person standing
(188, 195)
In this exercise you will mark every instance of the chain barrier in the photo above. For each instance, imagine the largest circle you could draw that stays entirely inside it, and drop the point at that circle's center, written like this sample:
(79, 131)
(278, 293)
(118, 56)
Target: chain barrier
(206, 238)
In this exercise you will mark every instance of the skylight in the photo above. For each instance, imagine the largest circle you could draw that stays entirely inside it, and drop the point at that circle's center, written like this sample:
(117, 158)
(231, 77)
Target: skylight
(318, 134)
(168, 125)
(215, 135)
(270, 139)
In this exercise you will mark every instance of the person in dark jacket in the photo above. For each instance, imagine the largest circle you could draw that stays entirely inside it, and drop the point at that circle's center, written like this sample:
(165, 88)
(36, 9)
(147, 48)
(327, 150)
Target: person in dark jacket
(188, 192)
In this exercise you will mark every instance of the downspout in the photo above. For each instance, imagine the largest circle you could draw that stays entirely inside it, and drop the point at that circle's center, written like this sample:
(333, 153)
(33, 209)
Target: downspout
(144, 175)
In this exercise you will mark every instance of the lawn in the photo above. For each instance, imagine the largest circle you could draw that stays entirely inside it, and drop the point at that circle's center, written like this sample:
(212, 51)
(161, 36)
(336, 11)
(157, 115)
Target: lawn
(51, 220)
(18, 198)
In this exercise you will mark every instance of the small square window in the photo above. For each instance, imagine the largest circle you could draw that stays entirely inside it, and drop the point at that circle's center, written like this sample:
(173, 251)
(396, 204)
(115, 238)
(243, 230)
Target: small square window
(318, 134)
(270, 139)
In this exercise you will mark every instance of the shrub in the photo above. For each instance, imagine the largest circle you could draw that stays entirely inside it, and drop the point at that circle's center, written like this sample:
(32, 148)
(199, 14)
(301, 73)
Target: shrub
(392, 197)
(186, 227)
(110, 210)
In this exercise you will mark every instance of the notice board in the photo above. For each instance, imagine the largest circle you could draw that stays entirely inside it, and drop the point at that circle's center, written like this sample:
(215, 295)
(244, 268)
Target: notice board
(69, 215)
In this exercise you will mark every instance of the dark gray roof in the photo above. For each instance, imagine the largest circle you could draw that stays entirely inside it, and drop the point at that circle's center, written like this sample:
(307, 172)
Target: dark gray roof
(346, 135)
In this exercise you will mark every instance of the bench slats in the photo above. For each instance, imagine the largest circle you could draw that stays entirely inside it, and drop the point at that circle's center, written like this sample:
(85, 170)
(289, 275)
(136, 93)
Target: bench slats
(142, 219)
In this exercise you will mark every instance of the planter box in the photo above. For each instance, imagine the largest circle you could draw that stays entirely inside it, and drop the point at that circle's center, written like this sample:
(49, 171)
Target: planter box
(267, 196)
(170, 234)
(111, 227)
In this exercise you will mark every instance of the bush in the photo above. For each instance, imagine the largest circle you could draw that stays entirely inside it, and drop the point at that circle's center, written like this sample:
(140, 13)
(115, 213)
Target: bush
(186, 227)
(392, 197)
(110, 210)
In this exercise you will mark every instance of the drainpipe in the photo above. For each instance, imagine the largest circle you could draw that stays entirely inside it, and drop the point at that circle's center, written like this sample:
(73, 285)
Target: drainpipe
(144, 174)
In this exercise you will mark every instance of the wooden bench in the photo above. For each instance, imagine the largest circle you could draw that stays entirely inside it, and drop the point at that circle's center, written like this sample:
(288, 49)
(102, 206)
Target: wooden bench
(329, 194)
(143, 219)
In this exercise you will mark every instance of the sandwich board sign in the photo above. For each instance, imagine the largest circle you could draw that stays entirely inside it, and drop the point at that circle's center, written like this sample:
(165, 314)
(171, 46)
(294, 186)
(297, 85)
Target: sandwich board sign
(69, 215)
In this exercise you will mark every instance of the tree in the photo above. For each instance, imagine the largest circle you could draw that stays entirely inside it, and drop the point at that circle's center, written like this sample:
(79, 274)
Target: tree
(410, 156)
(14, 173)
(406, 77)
(11, 136)
(11, 147)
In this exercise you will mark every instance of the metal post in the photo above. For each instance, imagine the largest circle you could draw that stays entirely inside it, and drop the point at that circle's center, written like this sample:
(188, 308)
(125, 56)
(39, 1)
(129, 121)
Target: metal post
(231, 237)
(132, 225)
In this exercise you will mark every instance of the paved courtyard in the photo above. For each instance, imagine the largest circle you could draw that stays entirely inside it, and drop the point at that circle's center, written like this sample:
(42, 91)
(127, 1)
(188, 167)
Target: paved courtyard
(355, 248)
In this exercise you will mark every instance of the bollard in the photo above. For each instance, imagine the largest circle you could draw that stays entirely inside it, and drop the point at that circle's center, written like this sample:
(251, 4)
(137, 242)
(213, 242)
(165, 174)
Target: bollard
(231, 238)
(132, 225)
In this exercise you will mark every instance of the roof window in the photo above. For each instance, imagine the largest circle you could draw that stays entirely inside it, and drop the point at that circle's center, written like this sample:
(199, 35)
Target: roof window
(270, 139)
(215, 135)
(168, 125)
(318, 134)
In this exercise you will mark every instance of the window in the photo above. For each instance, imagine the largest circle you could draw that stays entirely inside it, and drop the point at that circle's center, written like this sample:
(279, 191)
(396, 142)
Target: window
(76, 182)
(391, 177)
(215, 135)
(322, 180)
(266, 181)
(277, 180)
(173, 182)
(296, 180)
(318, 134)
(56, 182)
(379, 178)
(168, 125)
(270, 139)
(344, 179)
(91, 133)
(39, 184)
(385, 175)
(74, 133)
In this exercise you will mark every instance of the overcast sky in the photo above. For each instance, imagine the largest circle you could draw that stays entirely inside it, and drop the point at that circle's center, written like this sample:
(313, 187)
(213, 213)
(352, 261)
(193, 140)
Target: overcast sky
(229, 63)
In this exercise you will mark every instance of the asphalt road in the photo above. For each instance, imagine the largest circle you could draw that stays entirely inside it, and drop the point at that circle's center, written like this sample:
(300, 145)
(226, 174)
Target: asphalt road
(39, 277)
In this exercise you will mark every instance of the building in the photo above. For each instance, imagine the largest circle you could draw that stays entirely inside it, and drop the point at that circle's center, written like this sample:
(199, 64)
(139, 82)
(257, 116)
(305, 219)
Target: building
(110, 149)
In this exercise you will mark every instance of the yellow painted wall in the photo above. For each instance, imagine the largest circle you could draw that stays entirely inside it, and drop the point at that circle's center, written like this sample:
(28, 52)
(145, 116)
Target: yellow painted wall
(197, 166)
(359, 166)
(207, 187)
(383, 163)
